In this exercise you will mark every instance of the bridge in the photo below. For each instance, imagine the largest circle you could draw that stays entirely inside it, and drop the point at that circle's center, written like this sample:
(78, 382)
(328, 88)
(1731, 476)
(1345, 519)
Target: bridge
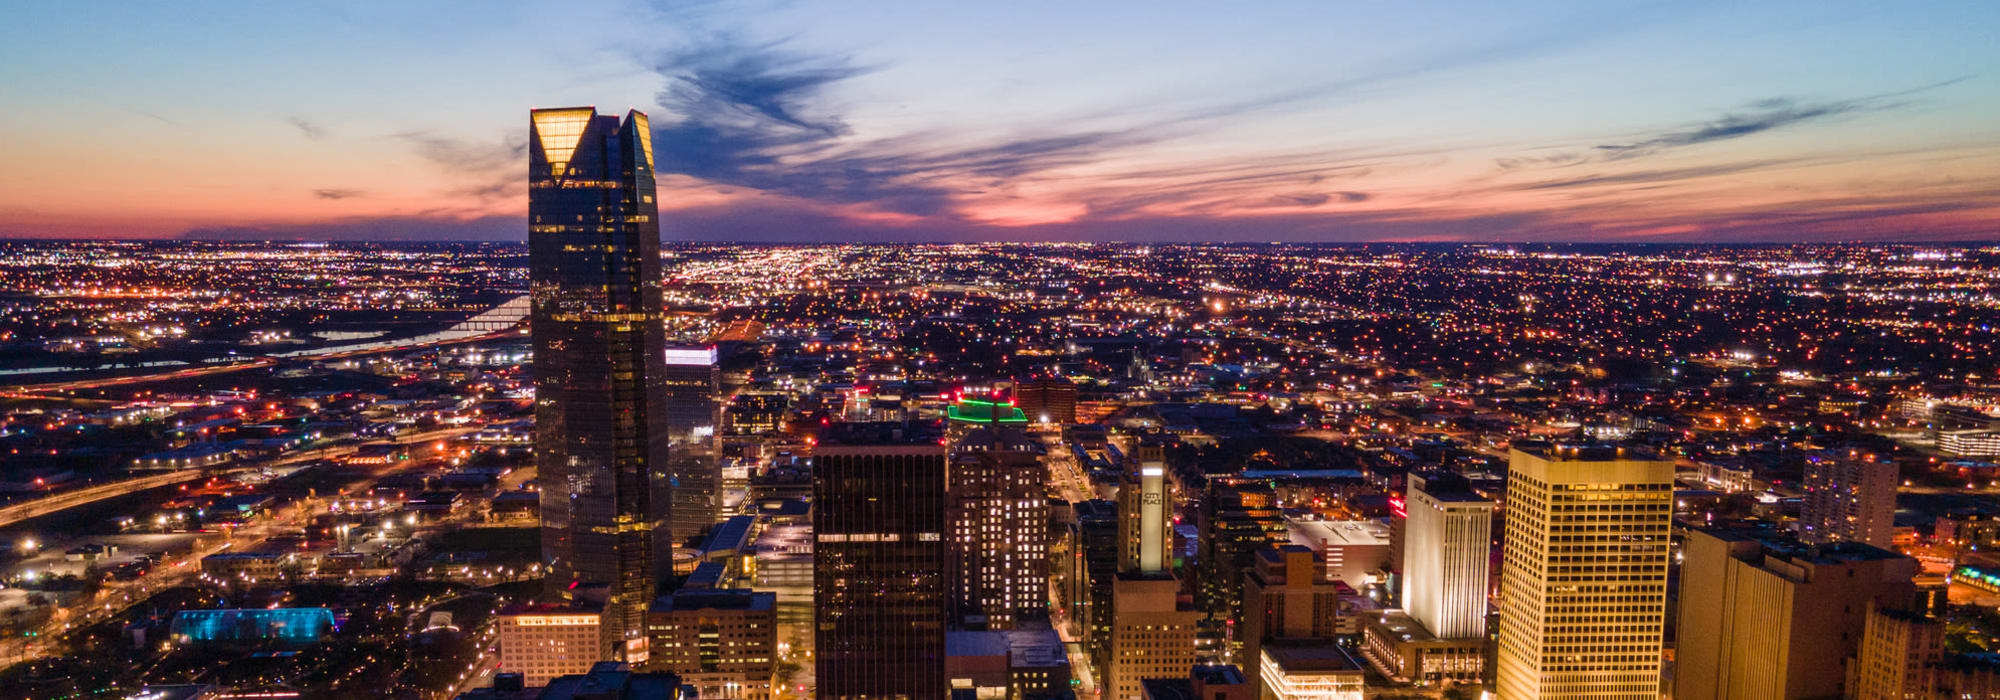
(496, 322)
(506, 317)
(64, 500)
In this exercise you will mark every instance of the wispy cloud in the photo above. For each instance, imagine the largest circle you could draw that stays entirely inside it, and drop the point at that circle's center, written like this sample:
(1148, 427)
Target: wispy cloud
(307, 128)
(1761, 116)
(1656, 176)
(492, 170)
(337, 194)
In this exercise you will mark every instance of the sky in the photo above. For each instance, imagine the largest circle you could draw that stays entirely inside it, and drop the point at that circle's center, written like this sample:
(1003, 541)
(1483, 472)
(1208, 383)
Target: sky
(880, 120)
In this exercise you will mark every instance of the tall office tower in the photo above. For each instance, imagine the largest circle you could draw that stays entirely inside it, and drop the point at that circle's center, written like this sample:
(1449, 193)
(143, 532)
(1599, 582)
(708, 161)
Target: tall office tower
(1285, 597)
(1448, 541)
(1152, 632)
(600, 394)
(1762, 614)
(1152, 628)
(1146, 536)
(997, 507)
(1097, 546)
(694, 417)
(879, 588)
(1583, 587)
(1849, 498)
(1235, 522)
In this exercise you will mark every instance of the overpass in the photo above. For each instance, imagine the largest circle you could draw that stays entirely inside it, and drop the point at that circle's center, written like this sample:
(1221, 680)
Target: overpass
(63, 500)
(496, 322)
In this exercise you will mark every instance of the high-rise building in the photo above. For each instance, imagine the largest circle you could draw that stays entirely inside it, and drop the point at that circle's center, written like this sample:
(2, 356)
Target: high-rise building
(1286, 598)
(879, 579)
(1583, 586)
(1235, 523)
(1097, 553)
(997, 507)
(1152, 632)
(1145, 530)
(722, 641)
(1898, 656)
(1448, 547)
(694, 417)
(1047, 400)
(1762, 614)
(1850, 498)
(543, 642)
(600, 382)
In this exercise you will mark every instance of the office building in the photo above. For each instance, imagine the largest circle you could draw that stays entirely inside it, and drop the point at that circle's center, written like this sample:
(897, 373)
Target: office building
(1400, 649)
(1309, 672)
(1583, 586)
(602, 681)
(1760, 613)
(694, 419)
(724, 642)
(542, 642)
(1152, 632)
(599, 349)
(1355, 552)
(1448, 547)
(1897, 658)
(1097, 563)
(1285, 598)
(1205, 682)
(1047, 400)
(1235, 522)
(1145, 529)
(879, 576)
(1152, 627)
(1849, 498)
(1024, 663)
(997, 507)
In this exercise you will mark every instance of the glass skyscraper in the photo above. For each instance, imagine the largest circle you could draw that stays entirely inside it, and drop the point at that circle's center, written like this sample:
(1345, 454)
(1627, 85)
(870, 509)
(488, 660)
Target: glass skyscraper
(601, 436)
(694, 419)
(879, 588)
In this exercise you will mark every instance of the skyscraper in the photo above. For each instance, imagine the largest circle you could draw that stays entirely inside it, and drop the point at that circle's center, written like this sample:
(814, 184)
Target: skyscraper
(1152, 628)
(1762, 615)
(1286, 598)
(879, 561)
(1448, 542)
(1583, 587)
(997, 504)
(694, 417)
(1146, 536)
(1850, 498)
(600, 395)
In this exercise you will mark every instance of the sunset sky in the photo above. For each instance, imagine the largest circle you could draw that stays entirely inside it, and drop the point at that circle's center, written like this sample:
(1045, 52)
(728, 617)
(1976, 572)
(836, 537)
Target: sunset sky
(1024, 120)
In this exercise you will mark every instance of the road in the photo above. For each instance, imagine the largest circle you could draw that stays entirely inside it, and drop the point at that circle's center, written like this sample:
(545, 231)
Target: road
(40, 391)
(117, 596)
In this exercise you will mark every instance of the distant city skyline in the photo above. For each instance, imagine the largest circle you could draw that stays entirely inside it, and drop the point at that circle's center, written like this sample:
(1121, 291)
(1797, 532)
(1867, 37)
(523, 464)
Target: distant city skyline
(893, 121)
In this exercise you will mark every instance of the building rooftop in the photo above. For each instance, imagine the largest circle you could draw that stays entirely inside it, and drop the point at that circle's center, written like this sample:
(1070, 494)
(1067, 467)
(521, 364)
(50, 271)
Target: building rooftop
(1785, 545)
(865, 434)
(1581, 451)
(1446, 486)
(1322, 658)
(1338, 532)
(716, 599)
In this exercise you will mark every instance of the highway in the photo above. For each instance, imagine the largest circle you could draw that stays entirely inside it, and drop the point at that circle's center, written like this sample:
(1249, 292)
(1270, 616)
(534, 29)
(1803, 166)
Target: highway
(41, 391)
